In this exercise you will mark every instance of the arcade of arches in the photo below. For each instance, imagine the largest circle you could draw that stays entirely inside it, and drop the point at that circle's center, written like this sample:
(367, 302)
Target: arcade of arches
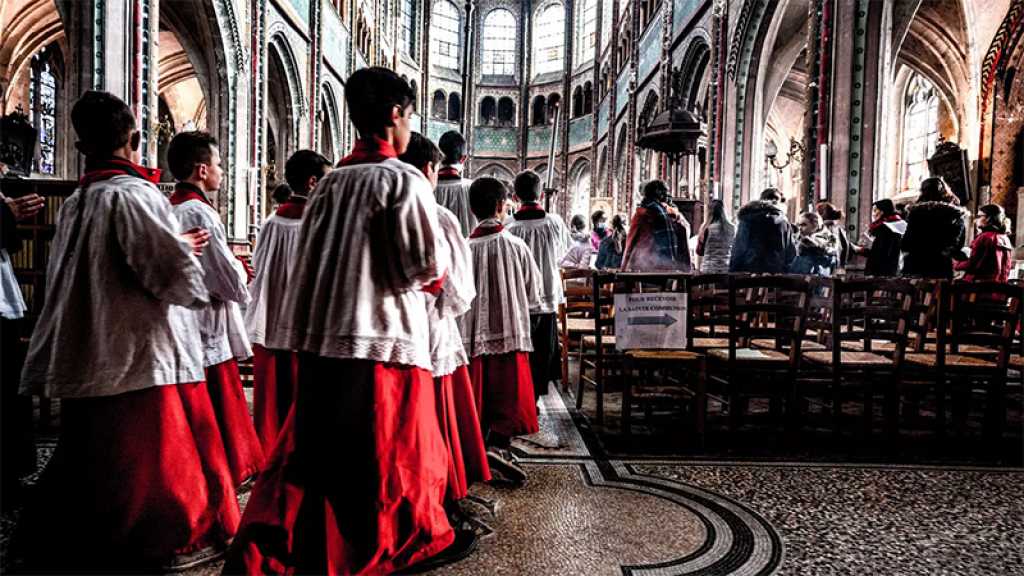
(845, 101)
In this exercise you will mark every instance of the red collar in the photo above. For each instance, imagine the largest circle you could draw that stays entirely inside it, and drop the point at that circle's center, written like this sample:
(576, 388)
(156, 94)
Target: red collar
(107, 168)
(481, 231)
(448, 173)
(369, 151)
(883, 221)
(530, 211)
(292, 208)
(184, 191)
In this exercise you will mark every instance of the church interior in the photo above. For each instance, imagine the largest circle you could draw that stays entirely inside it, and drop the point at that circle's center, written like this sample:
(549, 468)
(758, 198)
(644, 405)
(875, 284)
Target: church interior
(850, 412)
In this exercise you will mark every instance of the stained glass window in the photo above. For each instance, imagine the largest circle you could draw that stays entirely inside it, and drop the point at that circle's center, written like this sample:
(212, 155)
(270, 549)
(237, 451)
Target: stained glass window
(409, 27)
(920, 130)
(499, 43)
(43, 94)
(445, 36)
(549, 39)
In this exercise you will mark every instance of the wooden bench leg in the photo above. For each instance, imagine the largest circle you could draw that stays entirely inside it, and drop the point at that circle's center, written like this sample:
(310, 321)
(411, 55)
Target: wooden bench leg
(627, 396)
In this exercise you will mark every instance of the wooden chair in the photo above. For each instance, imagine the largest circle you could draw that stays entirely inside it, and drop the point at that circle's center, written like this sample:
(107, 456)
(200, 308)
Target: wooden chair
(662, 376)
(571, 315)
(762, 307)
(978, 314)
(597, 350)
(868, 312)
(707, 297)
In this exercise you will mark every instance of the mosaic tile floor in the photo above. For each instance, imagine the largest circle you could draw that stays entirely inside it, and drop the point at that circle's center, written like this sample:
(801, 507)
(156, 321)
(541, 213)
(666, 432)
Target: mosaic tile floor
(584, 512)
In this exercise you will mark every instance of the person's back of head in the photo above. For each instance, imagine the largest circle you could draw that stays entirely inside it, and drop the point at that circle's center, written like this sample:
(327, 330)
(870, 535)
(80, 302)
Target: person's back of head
(934, 189)
(188, 151)
(487, 197)
(527, 186)
(773, 195)
(421, 153)
(103, 123)
(654, 191)
(453, 146)
(578, 224)
(282, 192)
(371, 95)
(828, 211)
(304, 169)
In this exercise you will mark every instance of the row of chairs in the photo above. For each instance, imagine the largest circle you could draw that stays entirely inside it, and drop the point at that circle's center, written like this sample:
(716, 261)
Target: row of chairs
(801, 340)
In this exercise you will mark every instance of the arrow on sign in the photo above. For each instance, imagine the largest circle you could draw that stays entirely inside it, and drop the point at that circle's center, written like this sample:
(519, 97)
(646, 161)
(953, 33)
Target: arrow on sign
(663, 320)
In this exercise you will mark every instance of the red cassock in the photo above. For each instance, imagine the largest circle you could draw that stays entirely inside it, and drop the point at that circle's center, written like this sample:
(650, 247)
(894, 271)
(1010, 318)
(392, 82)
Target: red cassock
(460, 426)
(356, 480)
(143, 471)
(503, 386)
(245, 455)
(275, 376)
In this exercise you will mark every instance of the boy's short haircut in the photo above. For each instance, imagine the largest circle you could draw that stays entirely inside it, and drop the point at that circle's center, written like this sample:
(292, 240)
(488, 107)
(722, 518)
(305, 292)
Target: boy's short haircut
(453, 146)
(527, 186)
(188, 149)
(371, 93)
(103, 123)
(301, 165)
(486, 195)
(281, 193)
(420, 151)
(772, 195)
(655, 190)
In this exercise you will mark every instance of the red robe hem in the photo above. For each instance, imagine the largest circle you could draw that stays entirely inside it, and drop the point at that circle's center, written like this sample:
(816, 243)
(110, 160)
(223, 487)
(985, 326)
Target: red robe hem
(503, 387)
(242, 446)
(275, 376)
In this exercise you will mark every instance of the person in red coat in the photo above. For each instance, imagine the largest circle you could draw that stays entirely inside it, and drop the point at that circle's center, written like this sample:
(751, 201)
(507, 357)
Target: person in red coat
(991, 250)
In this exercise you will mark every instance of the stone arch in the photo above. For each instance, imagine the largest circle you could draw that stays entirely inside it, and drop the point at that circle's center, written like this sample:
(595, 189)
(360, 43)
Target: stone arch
(495, 170)
(580, 185)
(332, 117)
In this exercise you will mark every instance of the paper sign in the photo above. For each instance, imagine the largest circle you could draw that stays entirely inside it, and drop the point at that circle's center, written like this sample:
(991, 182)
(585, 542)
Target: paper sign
(655, 321)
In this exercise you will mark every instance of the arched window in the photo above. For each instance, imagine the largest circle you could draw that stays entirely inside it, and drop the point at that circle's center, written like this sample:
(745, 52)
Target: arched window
(577, 102)
(549, 39)
(445, 35)
(588, 98)
(488, 110)
(586, 30)
(606, 24)
(920, 130)
(602, 170)
(326, 130)
(409, 37)
(43, 96)
(506, 112)
(439, 108)
(581, 189)
(454, 107)
(499, 43)
(554, 101)
(539, 111)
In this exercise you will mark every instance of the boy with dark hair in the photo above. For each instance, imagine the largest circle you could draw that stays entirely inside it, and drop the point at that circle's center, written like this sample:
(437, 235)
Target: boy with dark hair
(139, 481)
(549, 241)
(357, 478)
(456, 403)
(195, 163)
(452, 190)
(275, 367)
(496, 331)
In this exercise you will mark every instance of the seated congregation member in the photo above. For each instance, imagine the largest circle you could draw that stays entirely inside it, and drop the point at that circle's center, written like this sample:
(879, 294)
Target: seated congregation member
(936, 232)
(452, 189)
(195, 162)
(357, 478)
(275, 367)
(882, 240)
(817, 249)
(548, 238)
(659, 236)
(609, 256)
(139, 481)
(991, 251)
(764, 237)
(456, 403)
(715, 240)
(496, 330)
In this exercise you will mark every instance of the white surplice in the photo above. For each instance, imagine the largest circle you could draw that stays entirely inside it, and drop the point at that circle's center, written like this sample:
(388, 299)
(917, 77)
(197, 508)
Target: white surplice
(275, 253)
(507, 287)
(549, 242)
(221, 326)
(107, 325)
(458, 291)
(370, 242)
(453, 194)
